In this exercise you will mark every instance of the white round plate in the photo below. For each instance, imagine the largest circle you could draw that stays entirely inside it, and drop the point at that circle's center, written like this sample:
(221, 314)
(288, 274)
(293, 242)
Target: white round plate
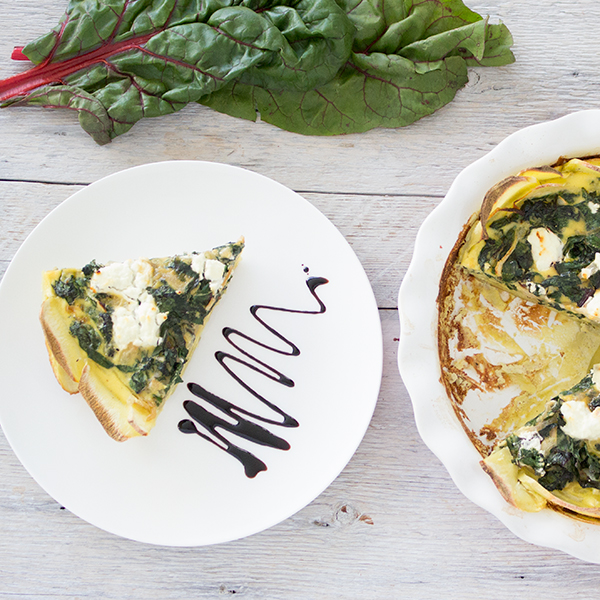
(577, 134)
(170, 488)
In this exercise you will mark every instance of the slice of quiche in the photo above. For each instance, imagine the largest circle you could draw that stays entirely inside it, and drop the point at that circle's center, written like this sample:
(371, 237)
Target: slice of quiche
(554, 458)
(538, 236)
(122, 333)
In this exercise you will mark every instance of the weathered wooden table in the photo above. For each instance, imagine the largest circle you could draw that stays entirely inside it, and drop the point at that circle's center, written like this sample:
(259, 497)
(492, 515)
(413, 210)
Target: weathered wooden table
(392, 525)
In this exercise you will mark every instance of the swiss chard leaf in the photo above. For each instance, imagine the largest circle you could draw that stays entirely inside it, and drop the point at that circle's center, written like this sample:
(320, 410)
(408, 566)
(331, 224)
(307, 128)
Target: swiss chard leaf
(387, 85)
(310, 66)
(374, 90)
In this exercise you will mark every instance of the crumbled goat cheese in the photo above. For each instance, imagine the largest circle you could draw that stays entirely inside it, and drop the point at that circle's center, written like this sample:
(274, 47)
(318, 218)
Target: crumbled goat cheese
(129, 278)
(198, 261)
(210, 269)
(214, 271)
(592, 307)
(531, 440)
(546, 248)
(581, 423)
(592, 268)
(138, 320)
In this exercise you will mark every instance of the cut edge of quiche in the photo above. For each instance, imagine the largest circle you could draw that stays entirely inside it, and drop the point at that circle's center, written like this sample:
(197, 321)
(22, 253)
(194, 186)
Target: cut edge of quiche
(550, 460)
(121, 334)
(517, 481)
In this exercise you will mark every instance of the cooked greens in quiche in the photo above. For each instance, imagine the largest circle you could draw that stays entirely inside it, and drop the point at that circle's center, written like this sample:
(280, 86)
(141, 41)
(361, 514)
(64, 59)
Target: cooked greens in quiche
(538, 235)
(519, 335)
(556, 456)
(122, 333)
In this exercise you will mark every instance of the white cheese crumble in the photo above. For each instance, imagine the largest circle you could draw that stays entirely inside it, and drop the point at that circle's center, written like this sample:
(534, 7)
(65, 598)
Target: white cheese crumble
(593, 207)
(137, 323)
(531, 440)
(211, 269)
(214, 271)
(592, 307)
(581, 423)
(138, 320)
(546, 248)
(592, 268)
(535, 288)
(198, 261)
(129, 278)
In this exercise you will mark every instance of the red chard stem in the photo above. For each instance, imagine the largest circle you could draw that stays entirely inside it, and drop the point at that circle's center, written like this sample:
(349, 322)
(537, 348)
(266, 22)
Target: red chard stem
(17, 53)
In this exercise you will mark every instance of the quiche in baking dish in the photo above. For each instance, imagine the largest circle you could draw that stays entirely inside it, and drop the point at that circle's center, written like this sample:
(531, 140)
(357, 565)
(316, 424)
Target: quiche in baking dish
(519, 333)
(538, 235)
(121, 334)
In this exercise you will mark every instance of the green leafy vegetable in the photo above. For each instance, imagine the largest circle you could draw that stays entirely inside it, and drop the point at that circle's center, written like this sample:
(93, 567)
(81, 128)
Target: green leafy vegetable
(311, 66)
(554, 457)
(89, 341)
(70, 288)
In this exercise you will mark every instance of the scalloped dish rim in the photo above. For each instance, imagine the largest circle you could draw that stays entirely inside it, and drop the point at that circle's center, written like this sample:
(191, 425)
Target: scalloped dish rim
(576, 134)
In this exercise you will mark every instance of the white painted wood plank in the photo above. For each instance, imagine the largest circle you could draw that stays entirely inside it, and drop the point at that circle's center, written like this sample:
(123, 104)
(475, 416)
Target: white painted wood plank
(557, 72)
(393, 525)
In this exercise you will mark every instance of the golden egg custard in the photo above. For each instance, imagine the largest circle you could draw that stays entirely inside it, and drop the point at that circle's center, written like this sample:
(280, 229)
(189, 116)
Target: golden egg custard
(121, 334)
(519, 336)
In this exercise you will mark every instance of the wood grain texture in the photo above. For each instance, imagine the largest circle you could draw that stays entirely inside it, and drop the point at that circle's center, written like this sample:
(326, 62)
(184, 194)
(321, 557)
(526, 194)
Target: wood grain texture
(556, 45)
(392, 525)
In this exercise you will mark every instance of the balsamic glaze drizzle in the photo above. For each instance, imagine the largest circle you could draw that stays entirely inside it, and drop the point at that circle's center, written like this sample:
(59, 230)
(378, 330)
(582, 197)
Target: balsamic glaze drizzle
(241, 426)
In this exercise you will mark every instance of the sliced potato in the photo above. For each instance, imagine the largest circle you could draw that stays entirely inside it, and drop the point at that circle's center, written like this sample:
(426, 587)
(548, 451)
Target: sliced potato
(508, 478)
(67, 383)
(64, 348)
(115, 406)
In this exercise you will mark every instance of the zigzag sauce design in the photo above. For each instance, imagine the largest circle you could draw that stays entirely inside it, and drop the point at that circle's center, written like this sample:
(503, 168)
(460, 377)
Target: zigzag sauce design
(241, 425)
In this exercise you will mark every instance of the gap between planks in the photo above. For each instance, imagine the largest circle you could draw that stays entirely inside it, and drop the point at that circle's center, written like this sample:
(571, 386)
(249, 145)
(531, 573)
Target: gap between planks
(322, 192)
